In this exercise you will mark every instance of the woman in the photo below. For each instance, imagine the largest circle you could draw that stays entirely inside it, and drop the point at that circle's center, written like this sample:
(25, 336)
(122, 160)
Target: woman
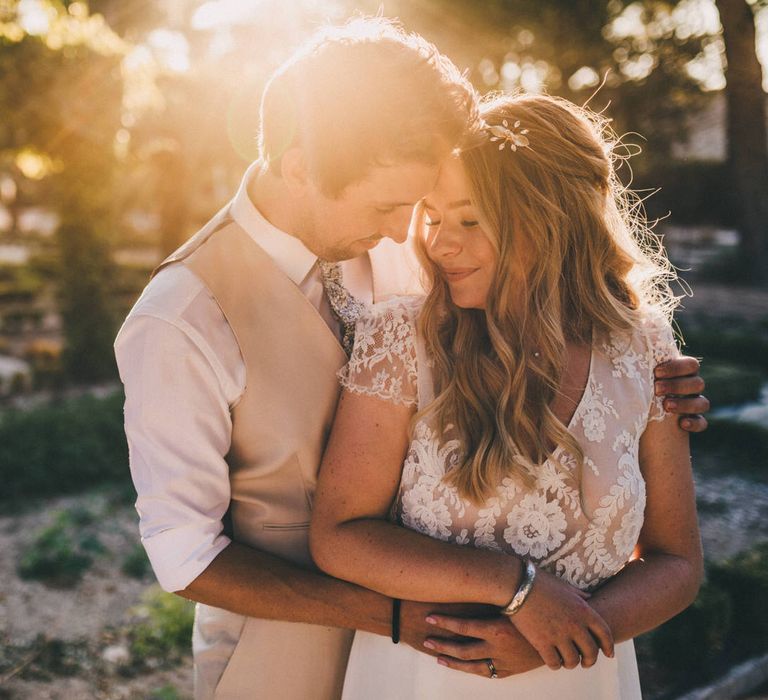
(511, 412)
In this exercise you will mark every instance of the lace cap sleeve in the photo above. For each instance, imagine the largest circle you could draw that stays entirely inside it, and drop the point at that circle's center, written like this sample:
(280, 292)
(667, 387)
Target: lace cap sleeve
(383, 361)
(662, 346)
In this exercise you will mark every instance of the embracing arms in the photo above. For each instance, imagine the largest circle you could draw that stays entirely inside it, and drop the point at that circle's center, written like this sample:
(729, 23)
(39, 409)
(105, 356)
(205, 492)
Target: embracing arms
(661, 580)
(350, 538)
(178, 426)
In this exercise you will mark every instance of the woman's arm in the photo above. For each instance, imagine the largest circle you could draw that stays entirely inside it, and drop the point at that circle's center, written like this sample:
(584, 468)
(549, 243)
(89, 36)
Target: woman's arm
(665, 574)
(659, 583)
(351, 539)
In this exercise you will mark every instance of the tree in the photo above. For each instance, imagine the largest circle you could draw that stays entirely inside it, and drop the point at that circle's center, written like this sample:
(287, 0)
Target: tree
(747, 137)
(62, 97)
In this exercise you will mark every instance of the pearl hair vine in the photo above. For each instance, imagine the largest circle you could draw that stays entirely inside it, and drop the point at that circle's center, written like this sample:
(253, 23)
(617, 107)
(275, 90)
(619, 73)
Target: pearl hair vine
(505, 135)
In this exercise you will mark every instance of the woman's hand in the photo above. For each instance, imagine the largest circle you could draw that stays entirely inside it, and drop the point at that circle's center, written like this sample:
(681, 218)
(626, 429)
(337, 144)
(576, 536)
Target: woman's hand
(559, 623)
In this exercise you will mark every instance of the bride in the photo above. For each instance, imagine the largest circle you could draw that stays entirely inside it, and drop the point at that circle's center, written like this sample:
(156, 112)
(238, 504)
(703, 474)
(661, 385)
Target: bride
(499, 441)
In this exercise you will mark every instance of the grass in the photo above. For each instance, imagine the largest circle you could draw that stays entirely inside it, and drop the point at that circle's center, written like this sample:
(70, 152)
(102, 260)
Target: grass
(61, 553)
(165, 631)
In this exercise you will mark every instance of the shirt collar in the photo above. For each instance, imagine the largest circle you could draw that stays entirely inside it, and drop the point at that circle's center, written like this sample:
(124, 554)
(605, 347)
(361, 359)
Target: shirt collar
(286, 251)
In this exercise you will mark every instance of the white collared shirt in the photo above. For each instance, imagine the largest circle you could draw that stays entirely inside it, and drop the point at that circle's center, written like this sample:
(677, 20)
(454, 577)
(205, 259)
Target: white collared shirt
(183, 372)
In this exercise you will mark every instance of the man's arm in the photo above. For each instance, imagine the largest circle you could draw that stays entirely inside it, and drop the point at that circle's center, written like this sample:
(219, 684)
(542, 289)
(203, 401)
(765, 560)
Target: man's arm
(178, 426)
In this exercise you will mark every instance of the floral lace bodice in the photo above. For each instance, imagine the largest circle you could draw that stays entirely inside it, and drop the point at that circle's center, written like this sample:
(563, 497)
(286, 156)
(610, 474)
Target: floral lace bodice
(584, 538)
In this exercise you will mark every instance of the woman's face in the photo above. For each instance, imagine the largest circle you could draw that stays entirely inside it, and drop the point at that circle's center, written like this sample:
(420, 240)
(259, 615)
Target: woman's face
(455, 242)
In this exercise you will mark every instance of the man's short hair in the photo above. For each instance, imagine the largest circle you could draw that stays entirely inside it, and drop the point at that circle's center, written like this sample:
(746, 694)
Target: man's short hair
(362, 94)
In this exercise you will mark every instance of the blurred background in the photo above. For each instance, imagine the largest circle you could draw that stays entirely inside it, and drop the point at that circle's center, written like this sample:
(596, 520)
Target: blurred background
(124, 125)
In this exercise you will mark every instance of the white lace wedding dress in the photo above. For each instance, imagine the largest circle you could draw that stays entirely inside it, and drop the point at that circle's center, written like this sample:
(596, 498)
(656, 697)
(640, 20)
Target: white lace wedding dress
(583, 538)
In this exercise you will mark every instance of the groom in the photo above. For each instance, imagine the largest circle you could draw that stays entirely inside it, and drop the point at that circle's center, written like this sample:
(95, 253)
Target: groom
(229, 359)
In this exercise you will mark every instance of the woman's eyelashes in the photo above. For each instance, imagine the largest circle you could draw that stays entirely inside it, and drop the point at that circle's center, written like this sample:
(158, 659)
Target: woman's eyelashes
(466, 223)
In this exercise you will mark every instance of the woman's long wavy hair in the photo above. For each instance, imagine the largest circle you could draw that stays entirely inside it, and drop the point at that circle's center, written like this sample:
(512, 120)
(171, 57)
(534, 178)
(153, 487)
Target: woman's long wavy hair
(595, 267)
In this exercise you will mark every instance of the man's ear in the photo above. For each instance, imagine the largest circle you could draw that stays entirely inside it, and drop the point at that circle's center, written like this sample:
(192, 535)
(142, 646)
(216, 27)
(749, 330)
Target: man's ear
(294, 171)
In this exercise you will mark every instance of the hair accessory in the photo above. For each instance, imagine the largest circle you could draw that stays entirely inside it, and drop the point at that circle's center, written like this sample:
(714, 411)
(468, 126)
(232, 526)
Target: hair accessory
(522, 592)
(506, 135)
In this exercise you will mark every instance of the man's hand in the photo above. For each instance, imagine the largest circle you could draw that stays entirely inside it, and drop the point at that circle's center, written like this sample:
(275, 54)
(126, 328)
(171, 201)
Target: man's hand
(479, 640)
(680, 382)
(414, 628)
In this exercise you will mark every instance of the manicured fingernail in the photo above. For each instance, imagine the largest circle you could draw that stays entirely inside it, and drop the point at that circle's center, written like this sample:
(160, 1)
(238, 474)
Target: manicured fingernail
(431, 620)
(429, 645)
(687, 424)
(661, 388)
(442, 662)
(671, 405)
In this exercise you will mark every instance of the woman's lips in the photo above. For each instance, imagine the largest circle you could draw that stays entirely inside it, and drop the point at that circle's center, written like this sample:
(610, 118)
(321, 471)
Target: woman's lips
(458, 274)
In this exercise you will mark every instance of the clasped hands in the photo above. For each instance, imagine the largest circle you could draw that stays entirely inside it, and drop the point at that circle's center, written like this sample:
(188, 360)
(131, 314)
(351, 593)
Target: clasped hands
(556, 626)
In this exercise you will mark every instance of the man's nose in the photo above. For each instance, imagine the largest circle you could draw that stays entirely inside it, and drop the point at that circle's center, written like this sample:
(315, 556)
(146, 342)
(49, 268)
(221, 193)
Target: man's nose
(397, 227)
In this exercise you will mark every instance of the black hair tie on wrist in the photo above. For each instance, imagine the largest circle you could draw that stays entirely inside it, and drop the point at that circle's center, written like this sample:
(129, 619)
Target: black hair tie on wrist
(395, 620)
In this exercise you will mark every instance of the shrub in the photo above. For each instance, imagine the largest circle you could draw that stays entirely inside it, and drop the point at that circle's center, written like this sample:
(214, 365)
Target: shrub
(708, 622)
(729, 384)
(733, 341)
(730, 446)
(745, 577)
(136, 563)
(55, 558)
(62, 448)
(166, 630)
(167, 692)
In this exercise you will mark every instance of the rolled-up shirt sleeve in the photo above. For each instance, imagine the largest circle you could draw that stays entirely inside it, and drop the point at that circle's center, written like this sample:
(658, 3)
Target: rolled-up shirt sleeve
(179, 427)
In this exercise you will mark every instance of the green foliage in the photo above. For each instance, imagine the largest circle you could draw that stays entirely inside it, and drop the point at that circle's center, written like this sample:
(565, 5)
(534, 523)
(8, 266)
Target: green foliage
(732, 340)
(19, 283)
(745, 577)
(62, 448)
(136, 563)
(167, 692)
(85, 293)
(61, 553)
(708, 622)
(732, 446)
(729, 384)
(692, 190)
(166, 630)
(726, 624)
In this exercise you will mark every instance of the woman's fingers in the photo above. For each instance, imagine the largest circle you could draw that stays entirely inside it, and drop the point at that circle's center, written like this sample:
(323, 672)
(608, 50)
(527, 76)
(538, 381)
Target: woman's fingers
(569, 654)
(603, 636)
(551, 657)
(587, 649)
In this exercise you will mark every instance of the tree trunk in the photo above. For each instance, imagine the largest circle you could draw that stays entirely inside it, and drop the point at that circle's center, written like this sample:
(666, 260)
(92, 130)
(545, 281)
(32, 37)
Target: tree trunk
(747, 133)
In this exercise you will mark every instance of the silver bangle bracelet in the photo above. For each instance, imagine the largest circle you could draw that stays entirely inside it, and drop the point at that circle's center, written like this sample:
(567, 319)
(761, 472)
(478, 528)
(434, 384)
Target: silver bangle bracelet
(522, 592)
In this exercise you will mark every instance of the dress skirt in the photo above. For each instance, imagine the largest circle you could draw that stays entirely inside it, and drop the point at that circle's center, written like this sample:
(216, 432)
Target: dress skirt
(381, 670)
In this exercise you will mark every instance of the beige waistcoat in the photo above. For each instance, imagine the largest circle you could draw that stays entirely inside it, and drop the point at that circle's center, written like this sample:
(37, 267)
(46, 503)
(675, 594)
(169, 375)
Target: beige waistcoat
(280, 426)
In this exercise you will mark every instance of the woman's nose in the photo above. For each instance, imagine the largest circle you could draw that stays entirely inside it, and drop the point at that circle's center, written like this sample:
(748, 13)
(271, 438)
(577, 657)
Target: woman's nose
(444, 241)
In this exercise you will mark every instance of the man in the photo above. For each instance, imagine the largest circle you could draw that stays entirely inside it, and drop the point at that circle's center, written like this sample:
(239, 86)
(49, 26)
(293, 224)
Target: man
(230, 355)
